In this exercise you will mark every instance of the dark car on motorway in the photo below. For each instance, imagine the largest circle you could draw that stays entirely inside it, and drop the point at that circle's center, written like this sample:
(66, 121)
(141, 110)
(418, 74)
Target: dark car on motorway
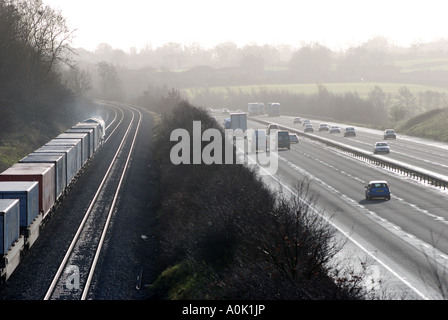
(350, 132)
(390, 134)
(377, 189)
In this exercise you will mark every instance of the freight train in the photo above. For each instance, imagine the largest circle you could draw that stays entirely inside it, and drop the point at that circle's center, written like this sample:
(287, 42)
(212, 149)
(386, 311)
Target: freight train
(31, 188)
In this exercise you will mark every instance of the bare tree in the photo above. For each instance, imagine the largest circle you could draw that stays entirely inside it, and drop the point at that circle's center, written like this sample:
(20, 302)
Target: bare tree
(45, 31)
(110, 83)
(78, 81)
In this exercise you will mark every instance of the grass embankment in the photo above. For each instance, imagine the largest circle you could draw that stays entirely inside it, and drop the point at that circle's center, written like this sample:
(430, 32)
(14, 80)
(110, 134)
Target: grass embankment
(430, 125)
(225, 235)
(17, 145)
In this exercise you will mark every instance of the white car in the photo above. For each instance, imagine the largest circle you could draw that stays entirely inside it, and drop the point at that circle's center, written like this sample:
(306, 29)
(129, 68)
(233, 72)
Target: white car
(381, 147)
(335, 129)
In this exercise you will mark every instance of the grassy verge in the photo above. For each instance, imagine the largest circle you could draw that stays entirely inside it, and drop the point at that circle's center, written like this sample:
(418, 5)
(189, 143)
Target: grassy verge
(430, 125)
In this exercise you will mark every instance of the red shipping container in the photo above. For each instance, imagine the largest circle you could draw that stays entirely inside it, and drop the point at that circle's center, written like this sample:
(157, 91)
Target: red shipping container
(43, 173)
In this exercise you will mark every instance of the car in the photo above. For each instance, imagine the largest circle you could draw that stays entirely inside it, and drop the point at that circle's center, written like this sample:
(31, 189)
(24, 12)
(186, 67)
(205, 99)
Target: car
(390, 134)
(335, 129)
(324, 127)
(225, 111)
(297, 120)
(308, 128)
(350, 132)
(381, 147)
(305, 122)
(272, 126)
(209, 110)
(293, 138)
(377, 189)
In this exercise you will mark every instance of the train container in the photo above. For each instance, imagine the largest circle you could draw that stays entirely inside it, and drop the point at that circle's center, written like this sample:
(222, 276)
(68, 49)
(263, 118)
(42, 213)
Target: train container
(69, 152)
(84, 137)
(91, 134)
(27, 192)
(9, 224)
(97, 129)
(60, 164)
(102, 126)
(43, 173)
(74, 143)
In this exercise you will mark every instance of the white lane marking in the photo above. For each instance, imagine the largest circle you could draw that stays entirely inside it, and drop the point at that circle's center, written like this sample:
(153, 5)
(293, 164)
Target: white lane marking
(347, 235)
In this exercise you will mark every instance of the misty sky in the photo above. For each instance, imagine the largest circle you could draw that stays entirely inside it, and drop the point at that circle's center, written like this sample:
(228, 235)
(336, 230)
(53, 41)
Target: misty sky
(338, 24)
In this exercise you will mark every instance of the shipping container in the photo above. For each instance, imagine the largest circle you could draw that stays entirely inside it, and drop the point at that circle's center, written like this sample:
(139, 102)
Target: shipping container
(102, 125)
(84, 137)
(61, 167)
(43, 173)
(75, 143)
(91, 133)
(72, 158)
(27, 192)
(97, 130)
(9, 224)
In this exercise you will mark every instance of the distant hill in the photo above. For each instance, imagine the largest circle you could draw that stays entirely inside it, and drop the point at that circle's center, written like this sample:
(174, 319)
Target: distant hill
(431, 125)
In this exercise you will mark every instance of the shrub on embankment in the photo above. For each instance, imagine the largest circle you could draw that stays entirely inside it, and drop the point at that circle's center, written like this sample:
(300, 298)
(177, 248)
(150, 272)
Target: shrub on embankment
(224, 234)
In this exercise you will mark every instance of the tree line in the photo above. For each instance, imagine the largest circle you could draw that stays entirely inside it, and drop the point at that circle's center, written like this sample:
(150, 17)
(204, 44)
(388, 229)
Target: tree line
(36, 98)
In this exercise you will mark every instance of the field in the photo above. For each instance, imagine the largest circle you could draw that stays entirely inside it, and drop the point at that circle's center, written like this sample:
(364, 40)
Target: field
(423, 64)
(361, 88)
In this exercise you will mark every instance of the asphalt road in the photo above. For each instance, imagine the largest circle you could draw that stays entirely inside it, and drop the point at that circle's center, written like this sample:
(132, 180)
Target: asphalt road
(405, 238)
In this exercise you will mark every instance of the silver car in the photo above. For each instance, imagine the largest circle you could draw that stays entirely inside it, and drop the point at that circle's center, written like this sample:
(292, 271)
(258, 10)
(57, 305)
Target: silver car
(381, 147)
(335, 129)
(293, 138)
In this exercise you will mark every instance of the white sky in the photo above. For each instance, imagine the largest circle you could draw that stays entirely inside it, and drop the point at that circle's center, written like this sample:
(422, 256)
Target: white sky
(337, 24)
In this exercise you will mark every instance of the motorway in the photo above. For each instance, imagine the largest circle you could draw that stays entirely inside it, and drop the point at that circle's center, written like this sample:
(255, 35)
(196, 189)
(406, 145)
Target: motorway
(404, 239)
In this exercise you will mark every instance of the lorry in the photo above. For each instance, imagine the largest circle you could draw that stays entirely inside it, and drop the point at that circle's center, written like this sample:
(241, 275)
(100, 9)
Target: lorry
(273, 109)
(283, 139)
(255, 108)
(238, 121)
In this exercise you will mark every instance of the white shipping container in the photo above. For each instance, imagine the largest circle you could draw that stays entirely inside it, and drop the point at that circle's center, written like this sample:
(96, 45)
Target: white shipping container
(27, 192)
(9, 224)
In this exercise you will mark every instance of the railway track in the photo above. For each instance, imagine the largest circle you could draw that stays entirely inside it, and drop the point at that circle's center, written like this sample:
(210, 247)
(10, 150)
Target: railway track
(73, 279)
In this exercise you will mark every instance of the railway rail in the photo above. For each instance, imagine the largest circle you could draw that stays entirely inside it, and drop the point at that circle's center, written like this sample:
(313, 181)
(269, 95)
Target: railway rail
(73, 279)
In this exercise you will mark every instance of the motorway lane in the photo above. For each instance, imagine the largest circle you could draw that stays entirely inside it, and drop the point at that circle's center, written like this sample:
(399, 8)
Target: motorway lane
(399, 228)
(423, 153)
(408, 232)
